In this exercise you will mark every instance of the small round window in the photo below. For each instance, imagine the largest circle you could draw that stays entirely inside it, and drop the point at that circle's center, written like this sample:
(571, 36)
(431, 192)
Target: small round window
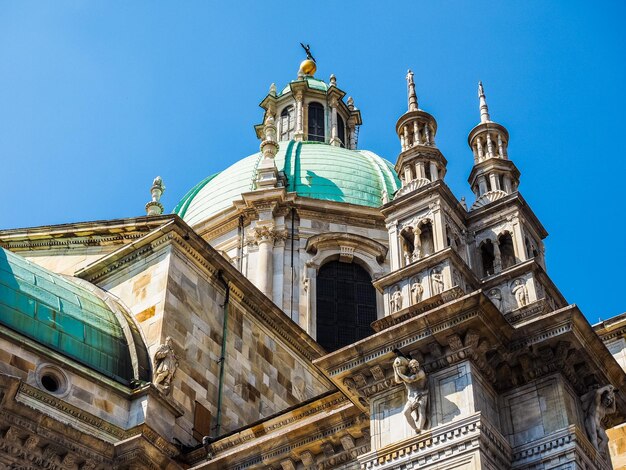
(52, 379)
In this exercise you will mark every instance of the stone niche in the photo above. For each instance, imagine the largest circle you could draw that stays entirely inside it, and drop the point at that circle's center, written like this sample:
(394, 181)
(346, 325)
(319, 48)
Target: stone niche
(454, 394)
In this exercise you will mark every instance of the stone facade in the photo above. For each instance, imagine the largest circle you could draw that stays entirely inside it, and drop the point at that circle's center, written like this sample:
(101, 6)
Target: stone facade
(474, 360)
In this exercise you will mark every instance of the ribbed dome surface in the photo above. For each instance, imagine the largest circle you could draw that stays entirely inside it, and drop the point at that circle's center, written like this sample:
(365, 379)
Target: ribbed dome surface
(64, 316)
(315, 170)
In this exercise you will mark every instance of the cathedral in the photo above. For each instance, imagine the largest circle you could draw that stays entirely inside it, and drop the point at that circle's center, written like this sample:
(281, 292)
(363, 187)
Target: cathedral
(313, 306)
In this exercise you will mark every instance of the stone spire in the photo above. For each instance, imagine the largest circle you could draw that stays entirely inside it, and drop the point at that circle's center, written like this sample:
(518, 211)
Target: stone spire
(412, 95)
(420, 162)
(484, 109)
(267, 173)
(154, 207)
(493, 175)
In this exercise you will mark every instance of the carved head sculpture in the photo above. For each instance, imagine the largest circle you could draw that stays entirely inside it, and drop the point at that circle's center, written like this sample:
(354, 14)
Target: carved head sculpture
(608, 397)
(414, 365)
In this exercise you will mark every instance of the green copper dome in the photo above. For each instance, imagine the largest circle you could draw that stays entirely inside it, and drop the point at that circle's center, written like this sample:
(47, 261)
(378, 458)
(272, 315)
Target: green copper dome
(313, 169)
(63, 316)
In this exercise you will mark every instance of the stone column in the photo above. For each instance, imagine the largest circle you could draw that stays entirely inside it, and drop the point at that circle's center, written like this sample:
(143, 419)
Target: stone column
(497, 262)
(407, 174)
(405, 129)
(489, 145)
(416, 133)
(279, 269)
(482, 185)
(434, 173)
(265, 272)
(518, 241)
(395, 253)
(427, 134)
(439, 236)
(352, 131)
(419, 166)
(479, 148)
(334, 139)
(507, 184)
(495, 184)
(299, 135)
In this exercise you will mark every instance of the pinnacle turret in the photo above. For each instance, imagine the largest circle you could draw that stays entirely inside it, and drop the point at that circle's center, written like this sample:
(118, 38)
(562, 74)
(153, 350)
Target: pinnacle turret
(493, 175)
(420, 162)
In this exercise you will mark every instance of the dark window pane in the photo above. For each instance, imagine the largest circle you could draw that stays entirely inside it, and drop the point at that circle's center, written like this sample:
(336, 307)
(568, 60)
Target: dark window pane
(316, 123)
(346, 304)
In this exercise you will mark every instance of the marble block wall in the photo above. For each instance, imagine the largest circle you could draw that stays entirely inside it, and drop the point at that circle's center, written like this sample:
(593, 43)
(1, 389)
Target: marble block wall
(454, 393)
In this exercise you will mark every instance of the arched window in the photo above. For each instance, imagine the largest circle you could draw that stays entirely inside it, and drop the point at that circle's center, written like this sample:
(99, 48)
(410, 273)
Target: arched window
(316, 123)
(487, 257)
(346, 304)
(287, 123)
(507, 252)
(341, 130)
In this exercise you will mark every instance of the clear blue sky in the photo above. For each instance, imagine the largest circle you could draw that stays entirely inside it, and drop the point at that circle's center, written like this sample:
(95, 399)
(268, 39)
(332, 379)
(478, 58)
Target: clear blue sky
(98, 97)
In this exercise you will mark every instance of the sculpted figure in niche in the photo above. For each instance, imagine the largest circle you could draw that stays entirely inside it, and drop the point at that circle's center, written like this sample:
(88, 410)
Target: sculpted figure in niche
(518, 289)
(496, 298)
(436, 280)
(409, 372)
(416, 291)
(417, 243)
(598, 404)
(395, 302)
(165, 365)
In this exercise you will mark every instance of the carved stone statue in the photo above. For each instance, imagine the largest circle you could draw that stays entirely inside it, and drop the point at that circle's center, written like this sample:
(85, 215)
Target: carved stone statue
(496, 297)
(165, 365)
(416, 290)
(518, 289)
(598, 404)
(395, 302)
(409, 372)
(417, 244)
(436, 281)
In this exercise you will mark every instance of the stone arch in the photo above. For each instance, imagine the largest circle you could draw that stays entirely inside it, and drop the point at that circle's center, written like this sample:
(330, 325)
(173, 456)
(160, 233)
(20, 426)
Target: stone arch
(329, 247)
(487, 257)
(507, 249)
(426, 237)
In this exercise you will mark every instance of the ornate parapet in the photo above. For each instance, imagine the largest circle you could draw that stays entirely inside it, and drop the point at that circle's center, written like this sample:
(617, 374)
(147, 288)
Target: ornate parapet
(416, 286)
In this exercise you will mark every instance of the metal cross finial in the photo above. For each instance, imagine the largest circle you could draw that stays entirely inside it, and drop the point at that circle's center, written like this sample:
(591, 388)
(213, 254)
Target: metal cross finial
(307, 49)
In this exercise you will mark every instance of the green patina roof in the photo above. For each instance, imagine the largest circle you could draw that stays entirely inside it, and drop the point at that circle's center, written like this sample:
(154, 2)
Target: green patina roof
(67, 318)
(313, 169)
(313, 83)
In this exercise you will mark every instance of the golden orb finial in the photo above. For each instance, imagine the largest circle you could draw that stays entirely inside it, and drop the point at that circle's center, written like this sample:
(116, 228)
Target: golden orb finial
(308, 65)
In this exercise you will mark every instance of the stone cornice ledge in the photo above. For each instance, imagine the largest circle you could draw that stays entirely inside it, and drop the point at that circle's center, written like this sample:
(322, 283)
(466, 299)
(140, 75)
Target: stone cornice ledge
(436, 324)
(197, 249)
(449, 440)
(80, 234)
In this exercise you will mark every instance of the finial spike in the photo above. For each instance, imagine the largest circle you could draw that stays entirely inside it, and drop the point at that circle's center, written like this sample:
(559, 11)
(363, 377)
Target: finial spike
(154, 207)
(412, 95)
(484, 109)
(273, 89)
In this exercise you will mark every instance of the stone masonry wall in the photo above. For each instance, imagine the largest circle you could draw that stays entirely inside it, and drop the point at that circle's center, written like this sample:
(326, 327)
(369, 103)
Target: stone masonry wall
(262, 374)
